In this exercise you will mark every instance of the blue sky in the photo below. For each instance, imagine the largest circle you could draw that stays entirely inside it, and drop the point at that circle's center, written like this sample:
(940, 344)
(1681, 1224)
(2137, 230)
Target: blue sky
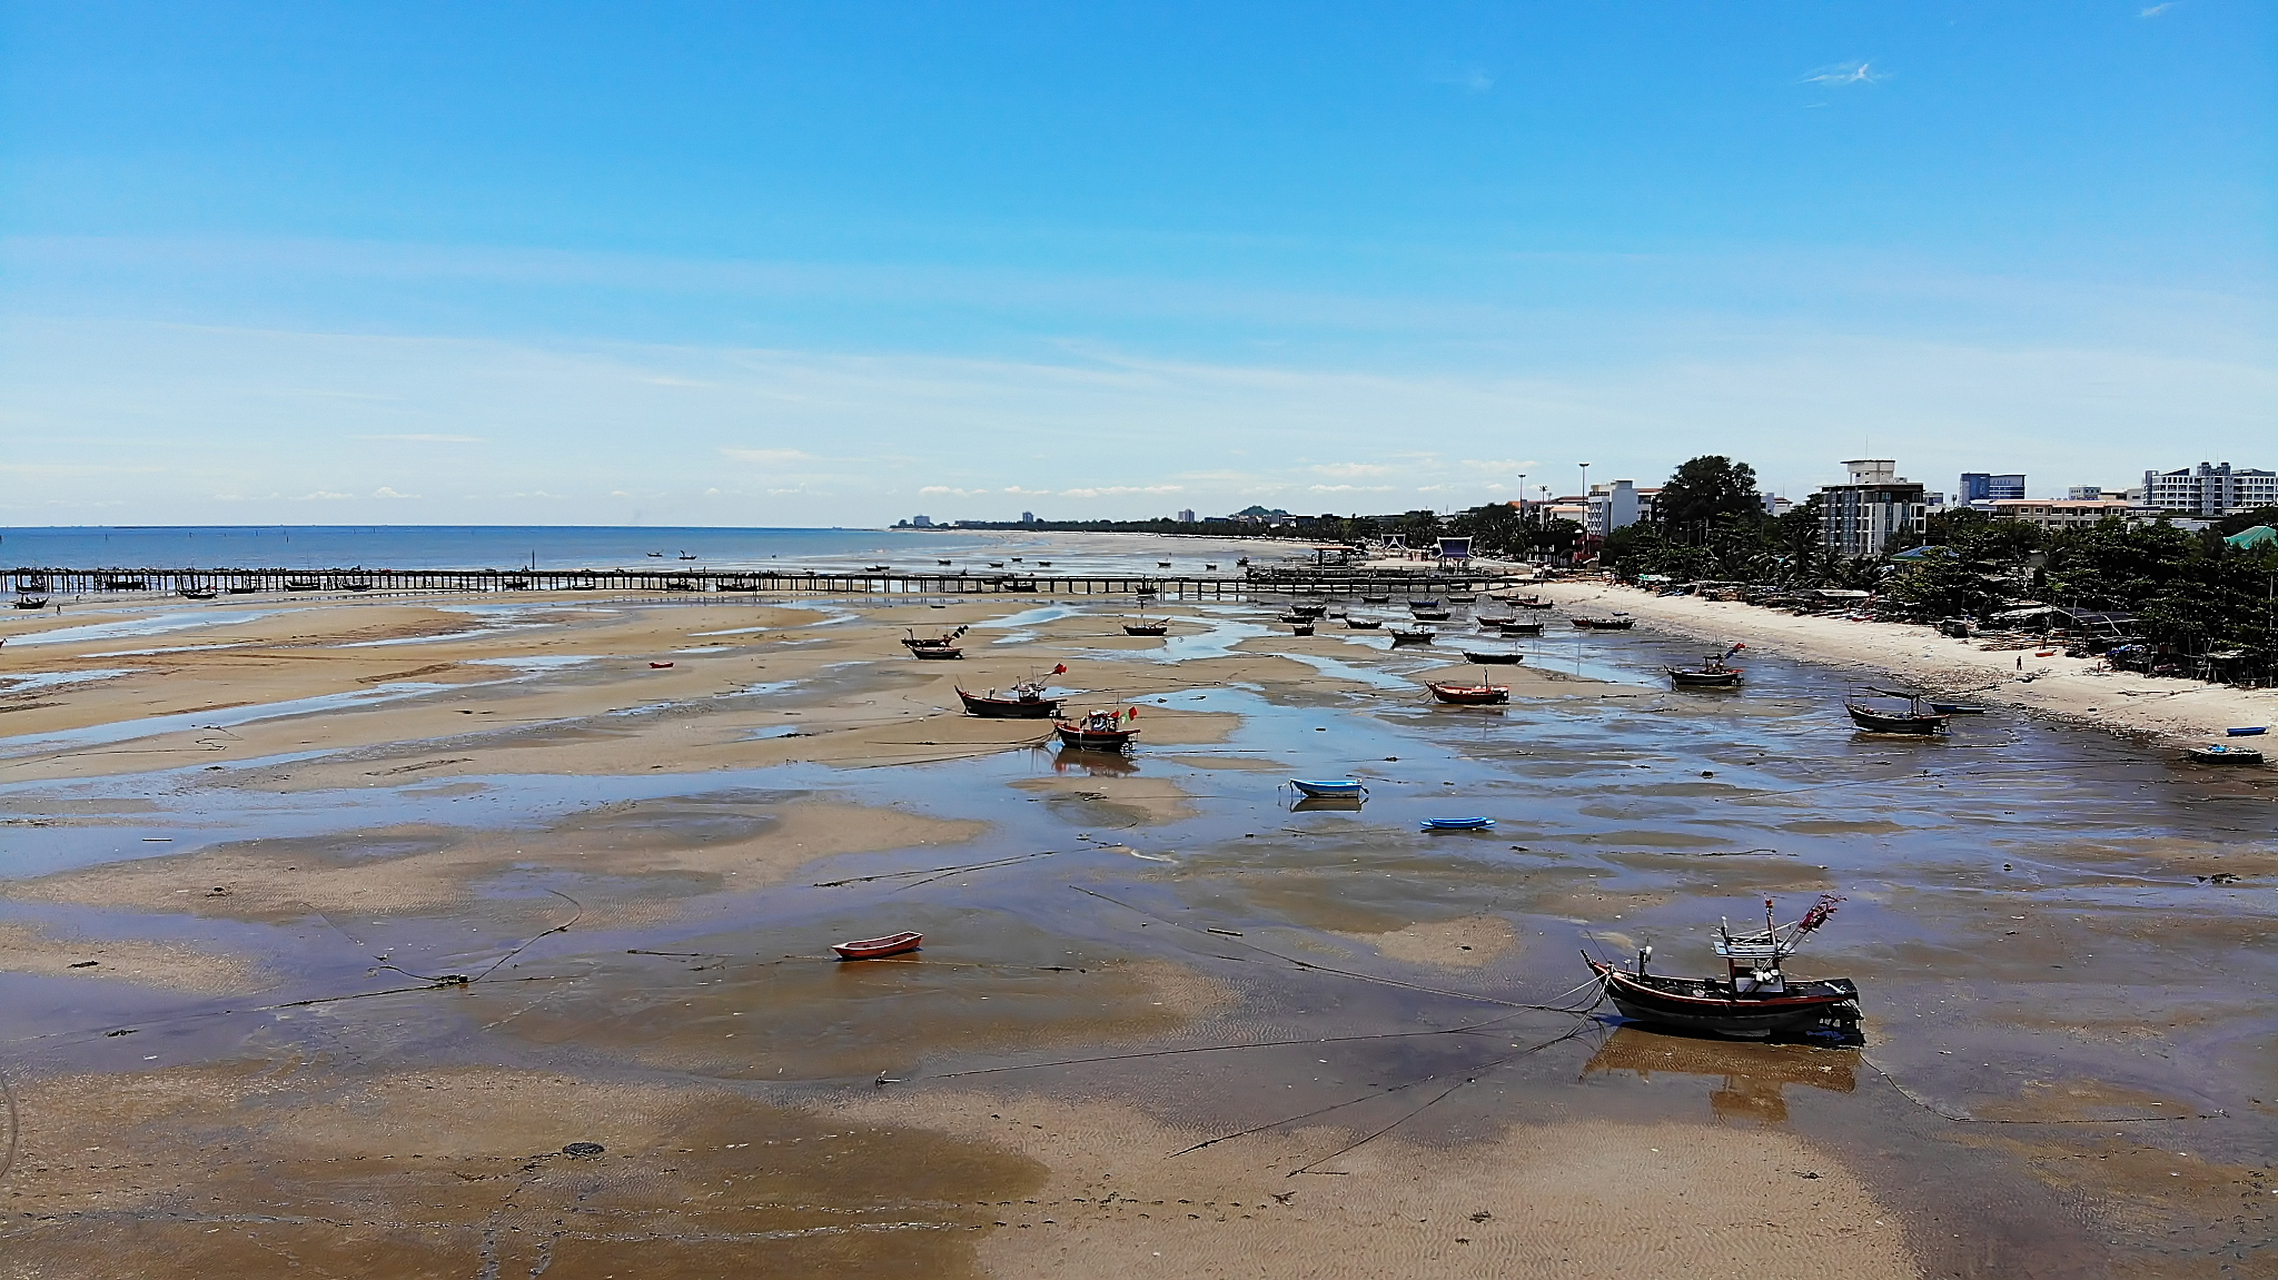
(842, 263)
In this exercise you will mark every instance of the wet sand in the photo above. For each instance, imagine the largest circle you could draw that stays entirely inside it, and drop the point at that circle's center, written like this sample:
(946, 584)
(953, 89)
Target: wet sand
(284, 856)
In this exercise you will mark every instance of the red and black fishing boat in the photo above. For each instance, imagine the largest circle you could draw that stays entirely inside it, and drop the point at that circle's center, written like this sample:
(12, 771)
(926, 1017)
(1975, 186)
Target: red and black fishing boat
(1470, 695)
(1619, 622)
(1027, 701)
(946, 640)
(1099, 730)
(1421, 635)
(893, 944)
(1754, 999)
(1146, 628)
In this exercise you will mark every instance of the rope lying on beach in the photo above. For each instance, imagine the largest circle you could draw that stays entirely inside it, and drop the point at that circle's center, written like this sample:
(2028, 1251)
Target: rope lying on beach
(1943, 1114)
(1343, 973)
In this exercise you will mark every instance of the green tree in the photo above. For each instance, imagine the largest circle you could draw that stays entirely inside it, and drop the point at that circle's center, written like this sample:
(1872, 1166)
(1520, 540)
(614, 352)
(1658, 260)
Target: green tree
(1705, 490)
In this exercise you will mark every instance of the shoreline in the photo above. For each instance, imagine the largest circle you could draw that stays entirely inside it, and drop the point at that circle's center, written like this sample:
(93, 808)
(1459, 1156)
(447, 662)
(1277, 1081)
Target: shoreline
(2078, 690)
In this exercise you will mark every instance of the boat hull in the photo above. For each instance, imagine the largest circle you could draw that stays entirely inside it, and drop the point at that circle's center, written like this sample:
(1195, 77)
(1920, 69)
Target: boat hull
(1470, 695)
(1148, 630)
(1703, 679)
(2226, 756)
(1328, 790)
(1094, 739)
(1492, 659)
(1671, 1002)
(1009, 708)
(893, 944)
(1458, 824)
(1912, 726)
(933, 653)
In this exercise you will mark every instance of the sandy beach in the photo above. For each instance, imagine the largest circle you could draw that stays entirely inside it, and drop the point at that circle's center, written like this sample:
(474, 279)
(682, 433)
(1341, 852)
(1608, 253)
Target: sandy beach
(329, 926)
(2078, 689)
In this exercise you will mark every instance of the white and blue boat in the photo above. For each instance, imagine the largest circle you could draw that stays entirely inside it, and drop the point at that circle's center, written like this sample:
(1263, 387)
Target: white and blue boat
(1347, 787)
(1458, 824)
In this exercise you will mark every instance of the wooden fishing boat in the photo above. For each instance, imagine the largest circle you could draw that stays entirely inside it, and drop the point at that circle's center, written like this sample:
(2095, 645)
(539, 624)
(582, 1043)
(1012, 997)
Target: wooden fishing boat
(1308, 610)
(659, 666)
(913, 641)
(1520, 628)
(2247, 730)
(1301, 629)
(940, 561)
(1027, 702)
(196, 593)
(1493, 620)
(1489, 657)
(1458, 824)
(1604, 624)
(938, 653)
(1021, 584)
(996, 564)
(1711, 674)
(1376, 599)
(1342, 788)
(1144, 628)
(1428, 615)
(877, 568)
(1470, 695)
(1423, 636)
(1755, 999)
(1162, 564)
(1212, 568)
(2220, 753)
(31, 602)
(1424, 602)
(1098, 730)
(300, 584)
(893, 944)
(1916, 722)
(1363, 624)
(1466, 599)
(1043, 564)
(242, 590)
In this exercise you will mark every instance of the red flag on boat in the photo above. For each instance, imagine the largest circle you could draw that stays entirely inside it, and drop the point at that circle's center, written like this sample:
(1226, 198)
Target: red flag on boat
(1132, 712)
(1060, 670)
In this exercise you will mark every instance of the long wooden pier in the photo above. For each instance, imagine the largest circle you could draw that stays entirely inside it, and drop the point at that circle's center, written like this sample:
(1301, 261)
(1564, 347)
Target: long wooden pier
(130, 582)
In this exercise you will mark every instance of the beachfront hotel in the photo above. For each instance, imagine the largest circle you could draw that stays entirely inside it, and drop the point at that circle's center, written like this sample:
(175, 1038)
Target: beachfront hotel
(1860, 518)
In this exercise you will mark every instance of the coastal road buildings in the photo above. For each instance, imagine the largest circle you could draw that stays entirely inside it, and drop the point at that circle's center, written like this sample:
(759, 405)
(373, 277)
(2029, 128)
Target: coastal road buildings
(1862, 517)
(2210, 489)
(2050, 513)
(1610, 507)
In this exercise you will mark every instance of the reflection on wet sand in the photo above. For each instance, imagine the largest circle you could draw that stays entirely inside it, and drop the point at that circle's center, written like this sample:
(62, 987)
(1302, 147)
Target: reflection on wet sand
(1753, 1074)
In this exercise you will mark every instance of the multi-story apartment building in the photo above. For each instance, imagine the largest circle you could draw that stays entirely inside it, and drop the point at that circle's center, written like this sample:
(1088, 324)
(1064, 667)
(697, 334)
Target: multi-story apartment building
(2051, 513)
(2210, 490)
(1609, 507)
(1860, 518)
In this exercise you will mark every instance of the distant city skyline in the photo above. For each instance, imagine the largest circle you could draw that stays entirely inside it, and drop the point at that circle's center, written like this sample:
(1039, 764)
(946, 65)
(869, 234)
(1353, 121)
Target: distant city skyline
(824, 266)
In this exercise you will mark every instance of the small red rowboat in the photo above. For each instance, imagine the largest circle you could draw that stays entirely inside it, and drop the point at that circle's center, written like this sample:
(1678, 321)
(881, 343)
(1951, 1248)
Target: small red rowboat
(658, 666)
(893, 944)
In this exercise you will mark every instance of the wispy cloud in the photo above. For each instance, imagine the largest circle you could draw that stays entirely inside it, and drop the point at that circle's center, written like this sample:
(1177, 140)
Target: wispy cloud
(1468, 79)
(771, 457)
(323, 495)
(2156, 10)
(1351, 469)
(1843, 73)
(423, 437)
(1120, 489)
(385, 492)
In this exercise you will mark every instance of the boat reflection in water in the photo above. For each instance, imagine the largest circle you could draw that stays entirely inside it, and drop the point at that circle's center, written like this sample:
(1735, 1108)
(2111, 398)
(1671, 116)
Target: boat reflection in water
(1755, 1075)
(1093, 764)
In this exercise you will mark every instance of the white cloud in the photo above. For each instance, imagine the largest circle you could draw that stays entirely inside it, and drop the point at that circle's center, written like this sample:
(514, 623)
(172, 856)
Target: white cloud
(385, 492)
(1351, 469)
(1843, 73)
(321, 495)
(2156, 10)
(1117, 490)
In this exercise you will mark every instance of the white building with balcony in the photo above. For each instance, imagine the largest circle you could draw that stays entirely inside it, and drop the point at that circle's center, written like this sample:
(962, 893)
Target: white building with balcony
(2210, 489)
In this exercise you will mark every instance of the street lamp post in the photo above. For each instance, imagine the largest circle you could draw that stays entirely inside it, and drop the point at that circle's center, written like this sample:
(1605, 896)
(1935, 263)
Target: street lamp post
(1585, 499)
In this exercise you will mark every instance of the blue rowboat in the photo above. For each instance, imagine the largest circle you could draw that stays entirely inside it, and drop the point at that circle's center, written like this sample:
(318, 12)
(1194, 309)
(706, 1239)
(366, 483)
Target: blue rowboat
(2248, 731)
(1346, 787)
(1458, 824)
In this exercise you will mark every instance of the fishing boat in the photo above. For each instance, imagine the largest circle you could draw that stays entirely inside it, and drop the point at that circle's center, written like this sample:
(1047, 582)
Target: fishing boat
(1146, 628)
(1428, 615)
(1470, 695)
(1212, 568)
(1534, 603)
(1424, 602)
(1918, 721)
(686, 556)
(243, 590)
(1341, 789)
(944, 562)
(1241, 560)
(1462, 599)
(1301, 629)
(1422, 636)
(1604, 624)
(196, 593)
(938, 653)
(2247, 730)
(659, 666)
(1027, 702)
(1099, 730)
(1021, 584)
(1308, 610)
(1520, 628)
(1711, 674)
(2220, 753)
(1043, 564)
(1162, 564)
(868, 568)
(893, 944)
(1493, 620)
(300, 584)
(913, 641)
(1363, 624)
(1458, 824)
(1376, 599)
(1754, 998)
(996, 564)
(31, 602)
(1490, 657)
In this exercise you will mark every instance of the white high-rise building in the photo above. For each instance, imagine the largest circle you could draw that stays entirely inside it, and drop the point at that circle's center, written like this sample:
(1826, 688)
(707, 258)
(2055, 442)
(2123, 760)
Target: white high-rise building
(1611, 506)
(2210, 490)
(1861, 518)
